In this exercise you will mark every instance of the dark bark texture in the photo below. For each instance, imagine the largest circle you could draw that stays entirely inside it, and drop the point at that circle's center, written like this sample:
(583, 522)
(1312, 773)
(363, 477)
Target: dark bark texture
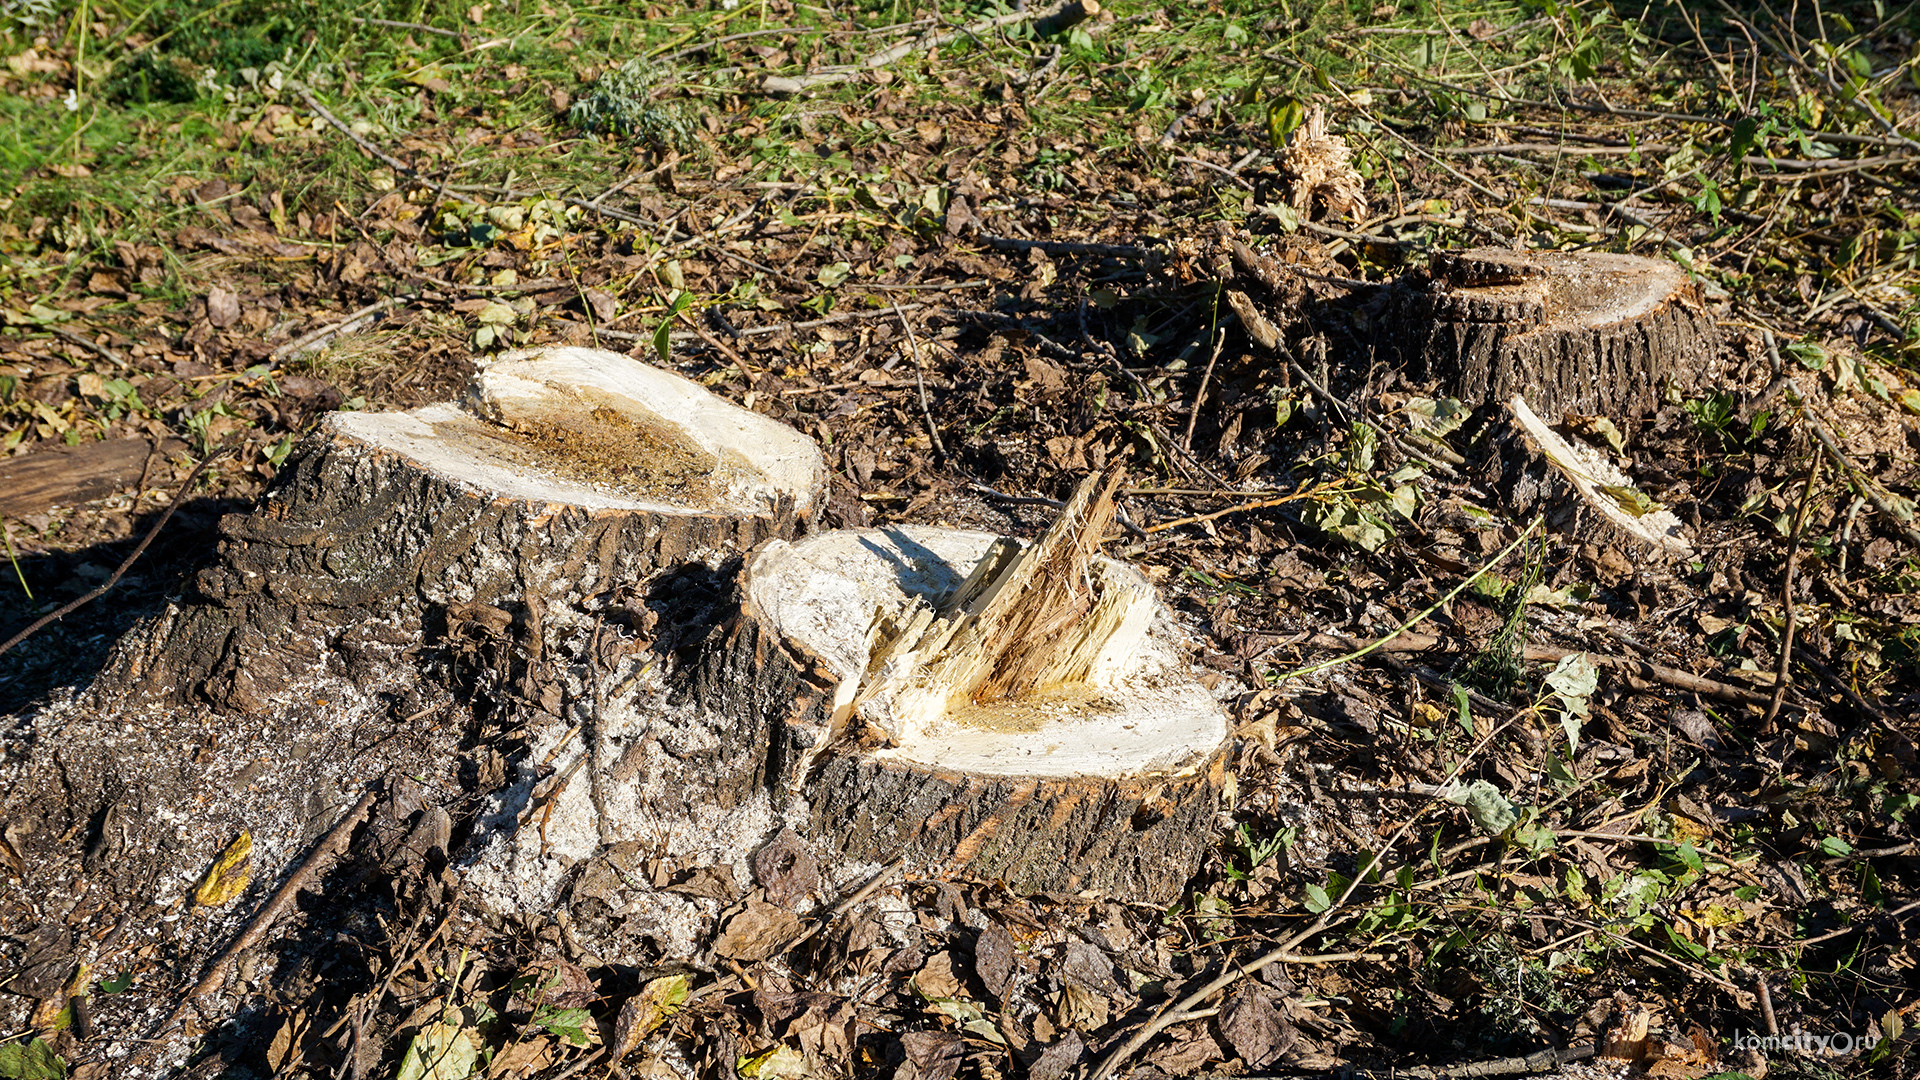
(1583, 332)
(361, 565)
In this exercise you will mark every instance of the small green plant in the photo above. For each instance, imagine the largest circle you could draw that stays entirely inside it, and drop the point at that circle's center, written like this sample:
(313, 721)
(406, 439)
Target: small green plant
(200, 426)
(1362, 508)
(1049, 171)
(31, 1060)
(621, 103)
(1254, 853)
(1497, 670)
(1717, 416)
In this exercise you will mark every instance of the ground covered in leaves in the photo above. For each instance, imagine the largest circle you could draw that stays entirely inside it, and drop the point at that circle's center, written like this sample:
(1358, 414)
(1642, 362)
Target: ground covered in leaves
(975, 254)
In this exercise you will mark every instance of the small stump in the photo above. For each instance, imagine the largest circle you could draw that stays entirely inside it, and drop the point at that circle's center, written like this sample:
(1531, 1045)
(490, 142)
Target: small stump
(1569, 331)
(978, 706)
(1541, 337)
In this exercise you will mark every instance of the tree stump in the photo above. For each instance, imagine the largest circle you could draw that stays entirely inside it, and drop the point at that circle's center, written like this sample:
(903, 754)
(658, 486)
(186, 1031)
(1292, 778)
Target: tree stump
(412, 583)
(564, 473)
(1584, 331)
(977, 705)
(1528, 339)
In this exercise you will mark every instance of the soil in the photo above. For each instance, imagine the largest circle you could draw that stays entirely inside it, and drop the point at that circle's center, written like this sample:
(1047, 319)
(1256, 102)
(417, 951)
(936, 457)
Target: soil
(976, 366)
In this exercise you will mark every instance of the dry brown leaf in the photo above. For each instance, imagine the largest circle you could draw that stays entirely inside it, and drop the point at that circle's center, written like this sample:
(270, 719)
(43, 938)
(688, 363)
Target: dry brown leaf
(931, 1055)
(993, 959)
(785, 868)
(760, 931)
(223, 307)
(1059, 1059)
(937, 978)
(1254, 1028)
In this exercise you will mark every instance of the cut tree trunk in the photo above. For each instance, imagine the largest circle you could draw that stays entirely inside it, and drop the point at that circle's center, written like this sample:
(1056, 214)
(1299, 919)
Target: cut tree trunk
(910, 718)
(566, 473)
(1586, 332)
(1544, 337)
(415, 591)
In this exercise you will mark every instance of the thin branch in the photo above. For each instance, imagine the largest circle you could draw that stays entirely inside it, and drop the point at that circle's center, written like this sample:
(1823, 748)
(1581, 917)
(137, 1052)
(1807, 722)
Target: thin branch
(84, 342)
(1180, 1011)
(422, 27)
(74, 605)
(1057, 248)
(1782, 672)
(347, 325)
(1048, 20)
(920, 379)
(1419, 618)
(310, 868)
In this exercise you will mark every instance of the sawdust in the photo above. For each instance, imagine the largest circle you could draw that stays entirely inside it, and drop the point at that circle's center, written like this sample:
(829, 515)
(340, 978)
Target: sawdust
(606, 441)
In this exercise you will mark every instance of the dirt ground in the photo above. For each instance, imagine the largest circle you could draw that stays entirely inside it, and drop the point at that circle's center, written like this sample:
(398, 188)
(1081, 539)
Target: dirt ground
(970, 306)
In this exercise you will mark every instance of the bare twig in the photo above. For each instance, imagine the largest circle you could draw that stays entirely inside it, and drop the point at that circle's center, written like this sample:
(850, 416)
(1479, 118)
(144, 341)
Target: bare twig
(701, 332)
(1782, 672)
(85, 342)
(316, 861)
(1179, 1011)
(1422, 616)
(1257, 504)
(344, 326)
(1049, 20)
(71, 606)
(1855, 476)
(1119, 514)
(339, 125)
(920, 379)
(422, 27)
(1069, 247)
(1200, 394)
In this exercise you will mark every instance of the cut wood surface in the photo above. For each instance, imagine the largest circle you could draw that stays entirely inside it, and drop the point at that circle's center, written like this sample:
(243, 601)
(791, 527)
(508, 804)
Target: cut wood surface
(1107, 784)
(1589, 332)
(71, 475)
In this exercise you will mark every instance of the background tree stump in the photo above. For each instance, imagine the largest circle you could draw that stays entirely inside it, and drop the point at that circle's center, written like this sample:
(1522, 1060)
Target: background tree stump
(1583, 331)
(1529, 340)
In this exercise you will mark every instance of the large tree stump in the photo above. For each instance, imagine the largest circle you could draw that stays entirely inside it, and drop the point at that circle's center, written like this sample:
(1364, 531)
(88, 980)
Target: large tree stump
(410, 579)
(565, 473)
(1585, 331)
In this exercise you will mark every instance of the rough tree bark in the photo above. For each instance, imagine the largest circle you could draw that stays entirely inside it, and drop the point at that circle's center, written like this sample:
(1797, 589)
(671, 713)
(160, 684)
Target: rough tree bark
(1585, 331)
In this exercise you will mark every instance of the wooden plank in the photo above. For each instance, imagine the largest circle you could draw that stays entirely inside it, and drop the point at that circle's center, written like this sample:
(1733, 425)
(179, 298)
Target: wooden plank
(71, 475)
